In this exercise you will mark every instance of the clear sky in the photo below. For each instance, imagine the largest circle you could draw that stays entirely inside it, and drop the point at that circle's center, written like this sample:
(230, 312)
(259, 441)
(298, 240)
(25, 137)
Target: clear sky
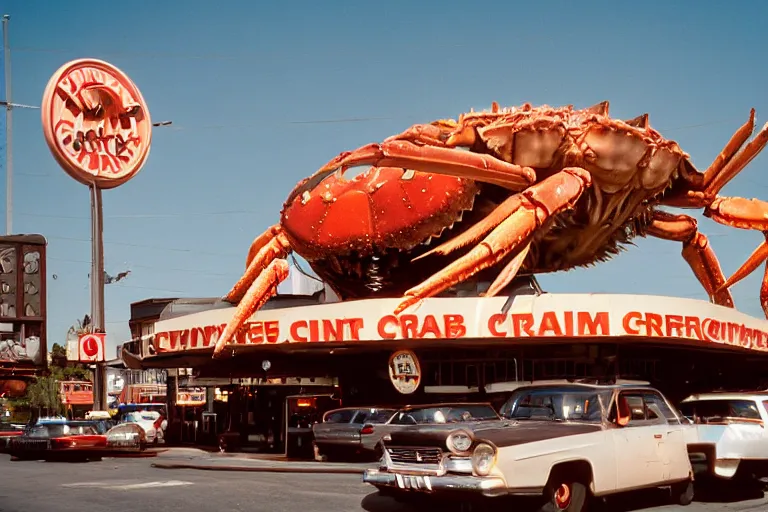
(247, 85)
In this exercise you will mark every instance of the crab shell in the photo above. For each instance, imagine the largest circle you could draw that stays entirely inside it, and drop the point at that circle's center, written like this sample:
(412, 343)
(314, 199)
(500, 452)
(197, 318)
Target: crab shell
(383, 208)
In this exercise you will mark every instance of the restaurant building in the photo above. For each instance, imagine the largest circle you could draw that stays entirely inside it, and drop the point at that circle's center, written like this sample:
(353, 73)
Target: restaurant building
(301, 355)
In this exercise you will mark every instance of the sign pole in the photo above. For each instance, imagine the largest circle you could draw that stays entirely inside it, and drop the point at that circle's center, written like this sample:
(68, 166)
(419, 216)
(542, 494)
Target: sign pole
(97, 126)
(8, 131)
(97, 292)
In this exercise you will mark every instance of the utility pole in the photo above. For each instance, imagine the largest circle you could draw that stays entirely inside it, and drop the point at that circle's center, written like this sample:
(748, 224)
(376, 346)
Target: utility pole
(8, 131)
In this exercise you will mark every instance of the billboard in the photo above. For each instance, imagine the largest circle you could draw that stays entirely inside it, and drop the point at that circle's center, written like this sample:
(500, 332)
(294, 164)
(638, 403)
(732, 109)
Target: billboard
(23, 301)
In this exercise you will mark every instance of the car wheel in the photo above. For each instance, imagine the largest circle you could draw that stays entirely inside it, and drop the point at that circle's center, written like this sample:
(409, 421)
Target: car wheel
(564, 495)
(682, 493)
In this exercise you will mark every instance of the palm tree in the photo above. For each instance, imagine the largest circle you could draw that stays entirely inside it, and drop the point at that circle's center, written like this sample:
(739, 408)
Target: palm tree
(82, 327)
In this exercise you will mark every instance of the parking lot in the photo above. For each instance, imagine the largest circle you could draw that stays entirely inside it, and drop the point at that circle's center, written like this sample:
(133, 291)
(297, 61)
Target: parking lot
(126, 485)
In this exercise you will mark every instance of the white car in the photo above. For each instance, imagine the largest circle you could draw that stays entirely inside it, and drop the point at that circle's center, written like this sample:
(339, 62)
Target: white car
(728, 438)
(561, 442)
(151, 421)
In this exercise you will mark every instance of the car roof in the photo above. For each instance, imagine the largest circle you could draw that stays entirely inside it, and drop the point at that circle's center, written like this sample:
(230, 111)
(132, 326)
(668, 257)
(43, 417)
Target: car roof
(444, 404)
(586, 386)
(367, 408)
(728, 395)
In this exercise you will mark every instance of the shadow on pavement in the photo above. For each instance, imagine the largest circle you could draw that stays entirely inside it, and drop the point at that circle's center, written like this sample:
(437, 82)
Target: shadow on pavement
(627, 502)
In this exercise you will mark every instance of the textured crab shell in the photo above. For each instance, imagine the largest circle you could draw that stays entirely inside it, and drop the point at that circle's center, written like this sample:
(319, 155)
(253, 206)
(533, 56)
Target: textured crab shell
(380, 209)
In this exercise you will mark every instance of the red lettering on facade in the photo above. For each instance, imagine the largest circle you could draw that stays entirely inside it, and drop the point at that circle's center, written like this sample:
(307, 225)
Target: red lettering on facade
(454, 326)
(552, 324)
(411, 327)
(387, 327)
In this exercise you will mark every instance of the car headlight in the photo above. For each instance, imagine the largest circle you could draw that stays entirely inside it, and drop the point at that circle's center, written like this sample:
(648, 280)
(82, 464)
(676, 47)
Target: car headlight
(483, 459)
(459, 442)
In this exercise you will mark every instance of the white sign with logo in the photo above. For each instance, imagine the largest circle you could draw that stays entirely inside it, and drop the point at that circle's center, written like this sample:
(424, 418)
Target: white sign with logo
(91, 348)
(405, 371)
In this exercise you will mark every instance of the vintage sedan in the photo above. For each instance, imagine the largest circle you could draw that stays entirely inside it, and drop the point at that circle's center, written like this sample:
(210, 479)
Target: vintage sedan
(728, 438)
(559, 442)
(71, 440)
(125, 438)
(342, 430)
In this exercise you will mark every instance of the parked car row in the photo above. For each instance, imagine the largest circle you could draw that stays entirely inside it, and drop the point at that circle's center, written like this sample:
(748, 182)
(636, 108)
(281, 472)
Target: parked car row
(55, 438)
(563, 442)
(74, 441)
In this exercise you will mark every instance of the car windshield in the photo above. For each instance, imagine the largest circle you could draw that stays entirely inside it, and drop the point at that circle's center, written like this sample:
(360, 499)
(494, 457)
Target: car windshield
(716, 411)
(444, 414)
(125, 410)
(60, 430)
(374, 415)
(556, 404)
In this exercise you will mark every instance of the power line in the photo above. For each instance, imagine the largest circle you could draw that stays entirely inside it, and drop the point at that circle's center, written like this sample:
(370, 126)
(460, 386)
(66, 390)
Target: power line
(155, 267)
(143, 246)
(143, 215)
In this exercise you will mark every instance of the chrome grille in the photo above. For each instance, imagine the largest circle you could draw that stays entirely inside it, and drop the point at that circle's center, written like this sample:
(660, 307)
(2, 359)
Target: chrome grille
(415, 455)
(31, 444)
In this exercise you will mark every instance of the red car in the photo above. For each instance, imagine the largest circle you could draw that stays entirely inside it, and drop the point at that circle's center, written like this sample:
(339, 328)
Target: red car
(73, 441)
(8, 431)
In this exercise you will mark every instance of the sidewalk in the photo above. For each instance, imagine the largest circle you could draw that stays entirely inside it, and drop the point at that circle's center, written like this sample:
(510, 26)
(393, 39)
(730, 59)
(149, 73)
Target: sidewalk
(194, 458)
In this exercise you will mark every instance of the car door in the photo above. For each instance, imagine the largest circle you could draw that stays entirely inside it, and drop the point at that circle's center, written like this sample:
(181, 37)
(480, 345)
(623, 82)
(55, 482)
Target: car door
(674, 447)
(638, 447)
(338, 429)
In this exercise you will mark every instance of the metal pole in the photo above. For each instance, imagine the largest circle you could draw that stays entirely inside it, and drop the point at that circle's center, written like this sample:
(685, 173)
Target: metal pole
(97, 293)
(8, 131)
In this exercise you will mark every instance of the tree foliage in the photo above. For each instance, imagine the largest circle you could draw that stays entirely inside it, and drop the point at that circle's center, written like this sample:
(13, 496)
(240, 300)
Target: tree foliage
(43, 395)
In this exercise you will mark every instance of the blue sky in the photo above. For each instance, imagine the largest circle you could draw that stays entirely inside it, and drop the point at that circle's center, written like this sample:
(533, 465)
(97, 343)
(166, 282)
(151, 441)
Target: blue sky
(240, 79)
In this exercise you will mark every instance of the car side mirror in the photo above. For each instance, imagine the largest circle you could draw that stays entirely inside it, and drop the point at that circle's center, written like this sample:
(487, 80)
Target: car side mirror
(622, 421)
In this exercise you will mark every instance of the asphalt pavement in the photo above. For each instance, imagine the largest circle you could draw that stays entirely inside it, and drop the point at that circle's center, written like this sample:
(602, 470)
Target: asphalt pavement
(127, 485)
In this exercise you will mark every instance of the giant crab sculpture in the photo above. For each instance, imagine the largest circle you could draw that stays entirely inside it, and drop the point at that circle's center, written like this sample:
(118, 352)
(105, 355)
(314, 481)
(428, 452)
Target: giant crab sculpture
(540, 189)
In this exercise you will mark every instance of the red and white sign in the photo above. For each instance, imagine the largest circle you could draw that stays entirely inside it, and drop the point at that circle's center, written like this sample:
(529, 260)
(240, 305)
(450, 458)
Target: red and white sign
(96, 123)
(405, 371)
(546, 317)
(90, 348)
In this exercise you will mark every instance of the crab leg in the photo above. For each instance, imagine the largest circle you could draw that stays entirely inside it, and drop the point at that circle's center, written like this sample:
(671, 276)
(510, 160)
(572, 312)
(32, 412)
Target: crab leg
(437, 160)
(549, 197)
(719, 174)
(724, 168)
(745, 214)
(510, 271)
(477, 231)
(260, 291)
(266, 247)
(696, 251)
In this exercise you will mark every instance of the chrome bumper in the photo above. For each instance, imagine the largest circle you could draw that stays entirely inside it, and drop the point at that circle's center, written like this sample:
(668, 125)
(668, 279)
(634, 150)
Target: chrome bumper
(484, 486)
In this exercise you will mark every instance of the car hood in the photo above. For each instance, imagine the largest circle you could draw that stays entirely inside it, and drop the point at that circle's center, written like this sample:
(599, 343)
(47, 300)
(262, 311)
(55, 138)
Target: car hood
(500, 433)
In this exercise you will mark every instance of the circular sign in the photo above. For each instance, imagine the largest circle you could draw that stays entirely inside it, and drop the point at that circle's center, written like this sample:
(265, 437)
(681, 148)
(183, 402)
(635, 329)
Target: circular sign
(266, 365)
(405, 371)
(90, 345)
(96, 123)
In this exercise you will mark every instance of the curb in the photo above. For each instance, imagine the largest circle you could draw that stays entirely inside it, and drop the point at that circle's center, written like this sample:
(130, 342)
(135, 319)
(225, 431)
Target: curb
(262, 469)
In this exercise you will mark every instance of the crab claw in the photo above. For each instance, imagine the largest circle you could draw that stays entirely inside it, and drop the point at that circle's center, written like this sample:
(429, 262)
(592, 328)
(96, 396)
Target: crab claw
(436, 160)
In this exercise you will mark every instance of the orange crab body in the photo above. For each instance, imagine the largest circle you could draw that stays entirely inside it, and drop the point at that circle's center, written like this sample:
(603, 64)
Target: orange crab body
(497, 193)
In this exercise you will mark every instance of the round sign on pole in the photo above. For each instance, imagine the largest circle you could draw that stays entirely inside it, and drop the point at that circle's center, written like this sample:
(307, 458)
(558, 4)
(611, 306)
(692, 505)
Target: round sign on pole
(91, 347)
(405, 371)
(96, 123)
